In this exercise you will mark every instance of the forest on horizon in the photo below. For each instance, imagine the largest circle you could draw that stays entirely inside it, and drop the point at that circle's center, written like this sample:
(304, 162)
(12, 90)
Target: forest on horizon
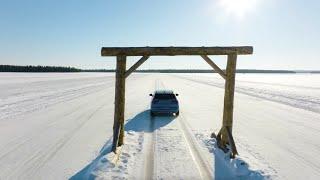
(39, 68)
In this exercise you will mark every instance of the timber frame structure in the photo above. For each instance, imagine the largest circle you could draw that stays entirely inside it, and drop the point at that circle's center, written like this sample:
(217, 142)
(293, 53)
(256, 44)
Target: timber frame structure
(224, 136)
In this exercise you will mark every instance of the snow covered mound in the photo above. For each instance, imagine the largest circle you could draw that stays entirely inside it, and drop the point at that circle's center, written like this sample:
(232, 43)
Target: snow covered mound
(225, 167)
(109, 165)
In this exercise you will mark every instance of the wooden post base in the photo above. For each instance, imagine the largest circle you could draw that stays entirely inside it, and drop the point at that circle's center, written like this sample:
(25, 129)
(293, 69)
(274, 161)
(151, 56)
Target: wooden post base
(225, 140)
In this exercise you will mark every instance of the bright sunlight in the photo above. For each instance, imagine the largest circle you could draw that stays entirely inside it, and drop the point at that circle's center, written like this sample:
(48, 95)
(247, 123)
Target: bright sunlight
(238, 8)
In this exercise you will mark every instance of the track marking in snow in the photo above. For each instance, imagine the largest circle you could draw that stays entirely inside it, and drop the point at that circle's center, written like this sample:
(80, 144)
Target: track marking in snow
(293, 100)
(194, 150)
(159, 85)
(40, 158)
(149, 139)
(191, 145)
(149, 143)
(36, 102)
(18, 145)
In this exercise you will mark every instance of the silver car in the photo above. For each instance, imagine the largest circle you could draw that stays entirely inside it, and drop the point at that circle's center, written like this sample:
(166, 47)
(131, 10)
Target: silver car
(164, 102)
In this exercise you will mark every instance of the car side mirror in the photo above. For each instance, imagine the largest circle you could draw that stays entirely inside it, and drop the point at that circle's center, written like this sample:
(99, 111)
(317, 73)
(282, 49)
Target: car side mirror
(177, 94)
(150, 95)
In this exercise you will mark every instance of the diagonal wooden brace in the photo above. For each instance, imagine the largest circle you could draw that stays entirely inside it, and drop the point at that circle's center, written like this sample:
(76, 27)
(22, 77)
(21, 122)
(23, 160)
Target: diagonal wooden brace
(214, 66)
(136, 65)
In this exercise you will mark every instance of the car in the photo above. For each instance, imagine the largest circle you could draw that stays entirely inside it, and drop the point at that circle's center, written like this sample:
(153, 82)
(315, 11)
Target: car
(164, 102)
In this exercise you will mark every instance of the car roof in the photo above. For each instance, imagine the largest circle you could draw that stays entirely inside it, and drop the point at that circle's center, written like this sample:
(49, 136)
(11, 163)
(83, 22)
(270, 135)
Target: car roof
(163, 92)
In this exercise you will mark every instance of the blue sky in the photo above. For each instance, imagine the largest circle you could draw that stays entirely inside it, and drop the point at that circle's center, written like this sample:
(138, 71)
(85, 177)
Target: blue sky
(285, 33)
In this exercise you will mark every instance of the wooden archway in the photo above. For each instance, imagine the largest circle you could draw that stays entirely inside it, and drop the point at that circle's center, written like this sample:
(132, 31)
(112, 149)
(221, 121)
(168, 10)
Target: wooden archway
(224, 137)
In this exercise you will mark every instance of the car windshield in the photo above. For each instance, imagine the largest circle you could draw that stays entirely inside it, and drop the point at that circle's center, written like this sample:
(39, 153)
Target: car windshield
(164, 96)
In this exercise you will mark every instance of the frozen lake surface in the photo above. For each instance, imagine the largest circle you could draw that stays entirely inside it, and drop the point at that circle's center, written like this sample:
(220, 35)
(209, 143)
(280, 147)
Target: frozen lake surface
(58, 126)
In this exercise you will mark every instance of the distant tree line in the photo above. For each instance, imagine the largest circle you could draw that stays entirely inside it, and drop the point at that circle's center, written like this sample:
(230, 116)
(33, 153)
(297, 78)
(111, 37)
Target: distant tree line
(98, 70)
(13, 68)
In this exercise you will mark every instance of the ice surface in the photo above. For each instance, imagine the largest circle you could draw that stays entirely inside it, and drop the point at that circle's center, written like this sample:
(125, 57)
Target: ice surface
(58, 126)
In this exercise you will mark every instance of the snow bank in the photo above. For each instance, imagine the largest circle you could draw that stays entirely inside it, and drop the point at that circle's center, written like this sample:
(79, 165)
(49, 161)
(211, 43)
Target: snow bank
(109, 165)
(225, 167)
(129, 164)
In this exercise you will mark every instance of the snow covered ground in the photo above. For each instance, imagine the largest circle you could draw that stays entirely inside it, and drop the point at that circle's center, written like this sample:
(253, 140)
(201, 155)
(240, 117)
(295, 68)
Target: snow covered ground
(58, 126)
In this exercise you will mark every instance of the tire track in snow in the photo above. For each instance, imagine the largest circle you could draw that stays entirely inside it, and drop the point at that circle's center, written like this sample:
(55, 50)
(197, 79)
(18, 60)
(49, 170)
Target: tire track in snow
(302, 102)
(46, 157)
(45, 99)
(202, 165)
(35, 134)
(41, 157)
(18, 142)
(149, 139)
(193, 147)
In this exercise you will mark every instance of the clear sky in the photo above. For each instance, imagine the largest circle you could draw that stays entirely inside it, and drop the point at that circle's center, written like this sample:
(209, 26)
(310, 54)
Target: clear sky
(285, 33)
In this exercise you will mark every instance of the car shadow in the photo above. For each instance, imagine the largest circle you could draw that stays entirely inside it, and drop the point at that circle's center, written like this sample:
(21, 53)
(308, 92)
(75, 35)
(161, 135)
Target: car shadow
(142, 122)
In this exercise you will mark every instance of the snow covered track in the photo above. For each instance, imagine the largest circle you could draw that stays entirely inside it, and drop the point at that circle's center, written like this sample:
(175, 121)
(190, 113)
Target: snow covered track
(173, 156)
(149, 139)
(203, 165)
(58, 126)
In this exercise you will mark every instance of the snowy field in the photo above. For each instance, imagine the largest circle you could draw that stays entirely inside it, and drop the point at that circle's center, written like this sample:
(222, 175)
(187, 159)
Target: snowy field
(58, 126)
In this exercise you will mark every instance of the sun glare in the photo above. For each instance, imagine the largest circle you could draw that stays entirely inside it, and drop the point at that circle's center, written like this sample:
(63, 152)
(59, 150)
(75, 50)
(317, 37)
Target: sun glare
(238, 8)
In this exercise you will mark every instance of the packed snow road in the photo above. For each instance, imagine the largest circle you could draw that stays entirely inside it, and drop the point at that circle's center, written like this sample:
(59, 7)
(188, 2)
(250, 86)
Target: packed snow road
(58, 126)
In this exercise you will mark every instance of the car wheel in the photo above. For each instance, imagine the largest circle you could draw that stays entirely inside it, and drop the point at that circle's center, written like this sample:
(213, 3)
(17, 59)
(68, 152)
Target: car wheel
(177, 113)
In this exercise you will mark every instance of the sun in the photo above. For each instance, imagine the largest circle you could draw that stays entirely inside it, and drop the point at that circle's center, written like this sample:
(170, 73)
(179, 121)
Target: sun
(238, 8)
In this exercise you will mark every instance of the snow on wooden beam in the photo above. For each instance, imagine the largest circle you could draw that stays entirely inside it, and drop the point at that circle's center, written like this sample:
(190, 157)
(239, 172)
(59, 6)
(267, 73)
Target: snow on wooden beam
(175, 51)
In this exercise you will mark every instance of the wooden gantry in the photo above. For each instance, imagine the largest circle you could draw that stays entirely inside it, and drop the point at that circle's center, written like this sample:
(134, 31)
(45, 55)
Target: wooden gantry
(224, 136)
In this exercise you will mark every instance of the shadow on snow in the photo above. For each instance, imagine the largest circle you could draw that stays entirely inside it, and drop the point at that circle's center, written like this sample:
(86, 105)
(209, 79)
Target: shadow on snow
(142, 122)
(225, 168)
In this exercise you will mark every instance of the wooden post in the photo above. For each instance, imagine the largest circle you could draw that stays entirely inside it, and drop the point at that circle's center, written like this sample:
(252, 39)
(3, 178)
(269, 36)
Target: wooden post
(119, 104)
(223, 136)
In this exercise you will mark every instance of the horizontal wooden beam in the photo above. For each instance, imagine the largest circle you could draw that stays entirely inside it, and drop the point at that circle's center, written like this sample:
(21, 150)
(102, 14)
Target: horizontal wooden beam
(214, 66)
(175, 51)
(136, 65)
